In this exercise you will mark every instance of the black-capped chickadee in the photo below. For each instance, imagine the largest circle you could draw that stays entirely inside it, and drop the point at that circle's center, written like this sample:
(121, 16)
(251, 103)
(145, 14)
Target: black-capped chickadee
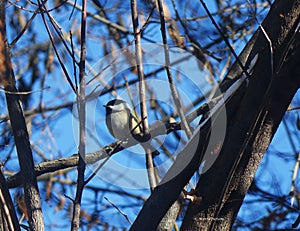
(121, 121)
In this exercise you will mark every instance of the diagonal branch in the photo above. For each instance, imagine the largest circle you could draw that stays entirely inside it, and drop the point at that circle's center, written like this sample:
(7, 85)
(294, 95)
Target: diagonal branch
(173, 88)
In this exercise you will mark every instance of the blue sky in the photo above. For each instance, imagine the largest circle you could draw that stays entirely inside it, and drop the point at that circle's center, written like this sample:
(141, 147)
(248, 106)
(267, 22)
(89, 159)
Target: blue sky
(58, 138)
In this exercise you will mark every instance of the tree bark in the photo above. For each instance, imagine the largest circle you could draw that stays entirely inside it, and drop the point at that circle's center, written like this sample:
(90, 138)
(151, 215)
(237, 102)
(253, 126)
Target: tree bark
(19, 129)
(253, 115)
(8, 217)
(252, 121)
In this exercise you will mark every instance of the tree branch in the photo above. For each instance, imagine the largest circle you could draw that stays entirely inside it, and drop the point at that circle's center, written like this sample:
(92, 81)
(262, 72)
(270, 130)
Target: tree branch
(19, 129)
(188, 161)
(81, 103)
(251, 125)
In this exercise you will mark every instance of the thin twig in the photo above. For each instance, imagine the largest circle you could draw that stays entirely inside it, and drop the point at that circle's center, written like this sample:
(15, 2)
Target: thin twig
(119, 210)
(101, 165)
(68, 197)
(74, 63)
(102, 19)
(73, 9)
(7, 207)
(293, 108)
(33, 3)
(296, 223)
(268, 39)
(173, 88)
(294, 177)
(61, 34)
(96, 171)
(147, 20)
(297, 154)
(24, 29)
(225, 39)
(54, 47)
(96, 188)
(198, 50)
(142, 93)
(22, 92)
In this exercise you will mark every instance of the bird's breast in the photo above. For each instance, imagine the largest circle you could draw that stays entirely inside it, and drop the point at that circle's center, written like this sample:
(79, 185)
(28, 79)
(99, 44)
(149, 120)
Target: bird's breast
(119, 122)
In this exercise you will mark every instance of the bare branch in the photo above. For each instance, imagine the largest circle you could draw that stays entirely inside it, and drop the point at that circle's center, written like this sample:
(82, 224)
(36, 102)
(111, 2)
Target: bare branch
(142, 93)
(119, 210)
(8, 213)
(175, 95)
(19, 129)
(81, 99)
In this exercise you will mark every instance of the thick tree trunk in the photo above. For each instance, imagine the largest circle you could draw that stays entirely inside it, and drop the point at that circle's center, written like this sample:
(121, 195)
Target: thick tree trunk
(252, 122)
(253, 115)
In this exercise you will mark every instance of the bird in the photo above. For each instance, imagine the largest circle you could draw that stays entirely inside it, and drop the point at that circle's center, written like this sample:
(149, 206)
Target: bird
(122, 123)
(120, 120)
